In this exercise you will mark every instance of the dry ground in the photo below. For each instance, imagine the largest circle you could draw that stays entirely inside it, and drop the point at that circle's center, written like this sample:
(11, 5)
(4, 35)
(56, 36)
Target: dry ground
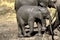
(8, 24)
(9, 30)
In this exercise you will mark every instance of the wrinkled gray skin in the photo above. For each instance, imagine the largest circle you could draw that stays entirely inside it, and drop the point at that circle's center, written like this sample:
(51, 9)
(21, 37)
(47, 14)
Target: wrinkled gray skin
(27, 15)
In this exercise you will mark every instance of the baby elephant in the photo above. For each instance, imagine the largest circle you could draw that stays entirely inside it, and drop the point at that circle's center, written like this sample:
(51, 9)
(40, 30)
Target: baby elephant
(27, 15)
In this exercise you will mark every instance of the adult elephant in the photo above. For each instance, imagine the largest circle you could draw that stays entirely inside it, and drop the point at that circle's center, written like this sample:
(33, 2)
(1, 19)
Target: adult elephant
(19, 3)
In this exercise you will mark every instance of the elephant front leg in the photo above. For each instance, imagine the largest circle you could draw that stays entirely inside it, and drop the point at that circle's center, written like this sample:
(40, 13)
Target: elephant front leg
(39, 29)
(31, 24)
(43, 24)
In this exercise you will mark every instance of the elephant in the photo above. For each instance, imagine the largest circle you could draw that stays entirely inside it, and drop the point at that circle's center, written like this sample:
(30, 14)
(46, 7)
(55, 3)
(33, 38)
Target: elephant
(19, 3)
(27, 15)
(42, 3)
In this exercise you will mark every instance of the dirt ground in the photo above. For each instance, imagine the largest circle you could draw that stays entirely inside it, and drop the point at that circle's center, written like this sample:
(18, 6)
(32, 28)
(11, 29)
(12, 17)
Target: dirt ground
(9, 27)
(9, 30)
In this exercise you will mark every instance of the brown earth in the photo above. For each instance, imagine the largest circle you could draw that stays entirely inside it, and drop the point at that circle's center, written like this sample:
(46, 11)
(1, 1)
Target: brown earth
(9, 30)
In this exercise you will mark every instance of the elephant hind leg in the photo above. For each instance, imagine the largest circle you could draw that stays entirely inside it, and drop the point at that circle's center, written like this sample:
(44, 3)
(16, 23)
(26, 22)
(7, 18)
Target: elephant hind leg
(21, 27)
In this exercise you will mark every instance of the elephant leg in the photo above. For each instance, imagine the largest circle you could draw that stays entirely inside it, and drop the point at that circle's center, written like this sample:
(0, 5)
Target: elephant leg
(39, 29)
(20, 33)
(22, 26)
(31, 24)
(43, 24)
